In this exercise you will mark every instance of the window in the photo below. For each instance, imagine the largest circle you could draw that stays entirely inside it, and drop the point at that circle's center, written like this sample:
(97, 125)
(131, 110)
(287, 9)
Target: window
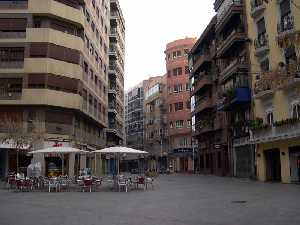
(177, 71)
(179, 124)
(177, 88)
(188, 104)
(187, 87)
(170, 108)
(261, 27)
(269, 117)
(178, 106)
(178, 53)
(186, 52)
(174, 55)
(290, 55)
(171, 125)
(296, 110)
(87, 15)
(187, 70)
(188, 123)
(169, 56)
(87, 42)
(93, 26)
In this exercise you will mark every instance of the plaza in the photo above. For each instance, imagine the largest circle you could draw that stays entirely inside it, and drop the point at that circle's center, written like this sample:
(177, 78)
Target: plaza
(175, 200)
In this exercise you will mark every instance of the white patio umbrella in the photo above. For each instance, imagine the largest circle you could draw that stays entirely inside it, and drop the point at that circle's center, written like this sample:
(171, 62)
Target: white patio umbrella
(119, 150)
(59, 150)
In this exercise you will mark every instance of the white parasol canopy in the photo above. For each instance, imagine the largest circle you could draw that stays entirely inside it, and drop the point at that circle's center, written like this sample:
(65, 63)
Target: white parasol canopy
(61, 150)
(120, 150)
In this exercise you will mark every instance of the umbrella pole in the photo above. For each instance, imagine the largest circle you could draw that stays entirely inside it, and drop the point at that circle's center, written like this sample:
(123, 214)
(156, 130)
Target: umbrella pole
(62, 164)
(95, 163)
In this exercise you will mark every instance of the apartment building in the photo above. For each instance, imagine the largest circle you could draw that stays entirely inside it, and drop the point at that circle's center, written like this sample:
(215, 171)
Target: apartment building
(135, 116)
(179, 106)
(116, 125)
(209, 125)
(54, 77)
(274, 29)
(235, 99)
(155, 122)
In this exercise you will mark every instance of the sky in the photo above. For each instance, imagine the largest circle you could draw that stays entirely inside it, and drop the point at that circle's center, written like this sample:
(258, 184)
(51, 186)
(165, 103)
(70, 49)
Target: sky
(151, 24)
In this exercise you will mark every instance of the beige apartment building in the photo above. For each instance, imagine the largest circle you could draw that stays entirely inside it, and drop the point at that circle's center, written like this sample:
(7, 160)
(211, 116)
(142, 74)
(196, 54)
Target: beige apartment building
(54, 65)
(274, 29)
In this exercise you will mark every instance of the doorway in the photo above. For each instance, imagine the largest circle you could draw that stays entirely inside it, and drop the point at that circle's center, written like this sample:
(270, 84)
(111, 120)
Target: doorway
(273, 165)
(295, 163)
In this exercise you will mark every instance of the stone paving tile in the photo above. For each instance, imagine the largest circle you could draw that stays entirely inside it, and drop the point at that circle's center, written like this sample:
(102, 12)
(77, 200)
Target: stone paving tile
(176, 200)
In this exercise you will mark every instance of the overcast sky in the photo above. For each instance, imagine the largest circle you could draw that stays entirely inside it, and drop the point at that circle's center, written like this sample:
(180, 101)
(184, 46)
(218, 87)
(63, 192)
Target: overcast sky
(151, 24)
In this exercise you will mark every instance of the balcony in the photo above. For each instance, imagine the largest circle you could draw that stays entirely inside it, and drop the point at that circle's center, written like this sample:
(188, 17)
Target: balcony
(257, 7)
(11, 64)
(12, 35)
(203, 127)
(201, 60)
(229, 9)
(10, 95)
(57, 9)
(232, 41)
(203, 81)
(236, 65)
(272, 81)
(234, 98)
(8, 5)
(204, 104)
(286, 130)
(261, 44)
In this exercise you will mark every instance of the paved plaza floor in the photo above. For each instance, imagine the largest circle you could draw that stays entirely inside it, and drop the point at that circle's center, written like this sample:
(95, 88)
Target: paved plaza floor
(176, 200)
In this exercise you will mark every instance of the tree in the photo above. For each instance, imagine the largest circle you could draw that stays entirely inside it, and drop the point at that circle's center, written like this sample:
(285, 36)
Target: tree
(15, 134)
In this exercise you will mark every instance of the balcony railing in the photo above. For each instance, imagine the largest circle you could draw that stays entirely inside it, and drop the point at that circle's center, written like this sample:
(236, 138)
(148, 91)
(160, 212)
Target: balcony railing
(5, 95)
(275, 133)
(226, 42)
(225, 9)
(227, 69)
(272, 81)
(204, 126)
(203, 81)
(7, 35)
(203, 104)
(14, 4)
(286, 24)
(11, 64)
